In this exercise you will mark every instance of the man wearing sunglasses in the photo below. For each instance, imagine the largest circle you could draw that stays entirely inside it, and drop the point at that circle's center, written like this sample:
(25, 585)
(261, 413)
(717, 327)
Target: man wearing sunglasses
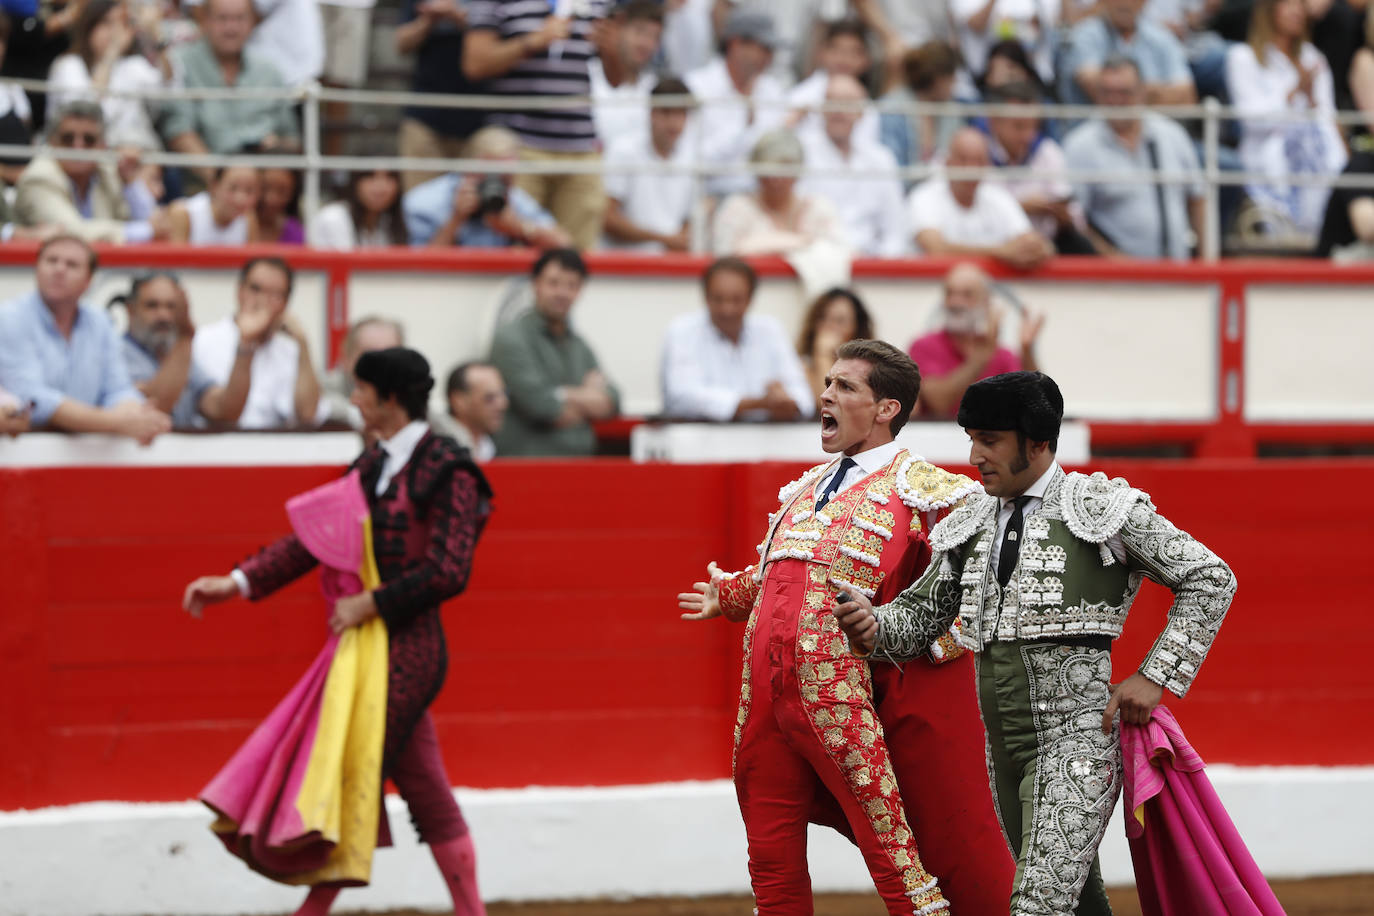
(96, 201)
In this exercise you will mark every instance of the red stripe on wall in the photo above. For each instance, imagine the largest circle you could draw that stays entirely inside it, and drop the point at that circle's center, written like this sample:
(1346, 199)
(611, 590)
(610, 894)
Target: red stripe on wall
(569, 665)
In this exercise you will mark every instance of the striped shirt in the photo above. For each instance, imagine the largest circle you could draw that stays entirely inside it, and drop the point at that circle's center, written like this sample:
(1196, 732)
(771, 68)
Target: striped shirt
(561, 70)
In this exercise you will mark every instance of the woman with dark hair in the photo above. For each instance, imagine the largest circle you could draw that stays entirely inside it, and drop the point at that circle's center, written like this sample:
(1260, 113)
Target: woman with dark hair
(103, 63)
(279, 208)
(368, 217)
(835, 317)
(928, 75)
(222, 214)
(1009, 62)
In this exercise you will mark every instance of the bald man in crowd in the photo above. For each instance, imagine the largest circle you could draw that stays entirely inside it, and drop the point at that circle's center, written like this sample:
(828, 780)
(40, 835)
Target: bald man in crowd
(971, 216)
(966, 348)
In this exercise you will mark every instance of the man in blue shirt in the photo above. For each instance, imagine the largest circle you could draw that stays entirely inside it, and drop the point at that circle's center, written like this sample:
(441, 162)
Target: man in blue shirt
(1120, 30)
(467, 211)
(63, 359)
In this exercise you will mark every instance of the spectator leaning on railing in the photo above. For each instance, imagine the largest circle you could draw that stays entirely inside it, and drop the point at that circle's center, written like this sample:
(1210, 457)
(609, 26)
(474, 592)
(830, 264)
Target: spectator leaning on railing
(527, 49)
(973, 216)
(649, 212)
(722, 363)
(285, 392)
(557, 389)
(100, 202)
(223, 214)
(62, 358)
(369, 216)
(157, 352)
(220, 61)
(1137, 218)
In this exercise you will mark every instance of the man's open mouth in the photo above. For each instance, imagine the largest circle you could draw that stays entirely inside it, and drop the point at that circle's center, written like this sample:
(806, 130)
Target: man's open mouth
(828, 423)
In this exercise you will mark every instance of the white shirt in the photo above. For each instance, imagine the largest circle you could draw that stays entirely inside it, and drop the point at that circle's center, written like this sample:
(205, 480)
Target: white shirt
(868, 199)
(127, 120)
(619, 111)
(291, 36)
(706, 375)
(272, 389)
(1036, 492)
(398, 450)
(205, 231)
(688, 35)
(723, 128)
(994, 219)
(867, 462)
(810, 93)
(660, 203)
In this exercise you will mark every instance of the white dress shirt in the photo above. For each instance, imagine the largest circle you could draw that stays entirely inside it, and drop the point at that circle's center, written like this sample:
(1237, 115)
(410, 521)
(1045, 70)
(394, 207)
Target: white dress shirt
(398, 450)
(865, 463)
(706, 375)
(1036, 492)
(994, 219)
(271, 400)
(868, 198)
(659, 203)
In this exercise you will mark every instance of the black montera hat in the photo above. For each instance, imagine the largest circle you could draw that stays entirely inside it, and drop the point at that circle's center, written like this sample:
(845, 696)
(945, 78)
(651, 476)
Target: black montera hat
(395, 370)
(1028, 402)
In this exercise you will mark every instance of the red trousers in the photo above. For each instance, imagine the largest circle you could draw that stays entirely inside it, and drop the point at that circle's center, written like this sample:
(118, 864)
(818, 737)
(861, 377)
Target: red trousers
(419, 775)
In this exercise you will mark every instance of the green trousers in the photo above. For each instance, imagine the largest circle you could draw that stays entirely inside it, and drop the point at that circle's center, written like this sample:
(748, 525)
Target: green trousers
(1055, 776)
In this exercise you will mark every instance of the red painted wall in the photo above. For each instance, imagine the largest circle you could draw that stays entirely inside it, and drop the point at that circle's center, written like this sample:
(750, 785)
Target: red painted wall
(569, 665)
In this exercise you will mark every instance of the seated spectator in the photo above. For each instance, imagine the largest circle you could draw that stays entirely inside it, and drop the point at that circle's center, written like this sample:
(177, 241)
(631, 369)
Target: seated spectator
(480, 211)
(525, 51)
(1348, 229)
(432, 30)
(973, 217)
(966, 347)
(366, 335)
(1139, 219)
(929, 73)
(1274, 72)
(14, 416)
(157, 353)
(16, 118)
(775, 219)
(285, 392)
(647, 211)
(835, 317)
(477, 406)
(723, 363)
(1120, 30)
(222, 214)
(979, 24)
(621, 108)
(1016, 141)
(100, 202)
(859, 176)
(220, 61)
(740, 99)
(368, 217)
(62, 358)
(557, 389)
(1009, 62)
(289, 33)
(103, 62)
(843, 52)
(278, 209)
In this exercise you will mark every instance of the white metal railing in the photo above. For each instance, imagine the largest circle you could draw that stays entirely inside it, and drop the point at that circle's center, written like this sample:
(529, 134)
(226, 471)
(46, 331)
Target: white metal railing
(312, 162)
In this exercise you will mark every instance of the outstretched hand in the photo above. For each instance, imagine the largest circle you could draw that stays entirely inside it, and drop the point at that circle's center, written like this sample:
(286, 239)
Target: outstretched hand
(208, 590)
(703, 602)
(858, 621)
(1136, 697)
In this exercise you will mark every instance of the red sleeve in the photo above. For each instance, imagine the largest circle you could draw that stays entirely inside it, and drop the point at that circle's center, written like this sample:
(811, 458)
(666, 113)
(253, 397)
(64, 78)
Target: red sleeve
(276, 565)
(738, 594)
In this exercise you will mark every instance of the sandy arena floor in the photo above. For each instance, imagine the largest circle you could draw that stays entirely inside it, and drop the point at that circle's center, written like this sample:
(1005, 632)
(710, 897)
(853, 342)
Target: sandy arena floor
(1345, 896)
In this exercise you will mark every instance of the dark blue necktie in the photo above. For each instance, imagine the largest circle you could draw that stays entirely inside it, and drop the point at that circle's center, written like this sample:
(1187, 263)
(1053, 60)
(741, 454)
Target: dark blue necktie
(1011, 541)
(834, 485)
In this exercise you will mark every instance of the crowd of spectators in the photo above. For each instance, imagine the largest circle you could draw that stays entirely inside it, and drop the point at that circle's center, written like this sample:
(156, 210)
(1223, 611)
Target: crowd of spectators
(755, 75)
(539, 391)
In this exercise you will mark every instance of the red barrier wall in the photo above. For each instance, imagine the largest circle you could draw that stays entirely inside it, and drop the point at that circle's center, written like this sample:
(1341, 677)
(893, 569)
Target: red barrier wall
(568, 662)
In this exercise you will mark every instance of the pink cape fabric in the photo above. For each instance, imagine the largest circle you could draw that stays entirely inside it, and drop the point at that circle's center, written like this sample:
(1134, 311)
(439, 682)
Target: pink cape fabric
(258, 787)
(1189, 860)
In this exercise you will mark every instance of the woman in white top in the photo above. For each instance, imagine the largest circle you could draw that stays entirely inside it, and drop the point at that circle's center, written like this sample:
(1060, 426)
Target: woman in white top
(775, 219)
(1278, 70)
(223, 214)
(368, 217)
(102, 61)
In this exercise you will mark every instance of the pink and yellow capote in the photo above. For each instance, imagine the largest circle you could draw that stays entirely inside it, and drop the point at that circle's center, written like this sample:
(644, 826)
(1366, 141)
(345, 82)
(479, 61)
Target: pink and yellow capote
(301, 800)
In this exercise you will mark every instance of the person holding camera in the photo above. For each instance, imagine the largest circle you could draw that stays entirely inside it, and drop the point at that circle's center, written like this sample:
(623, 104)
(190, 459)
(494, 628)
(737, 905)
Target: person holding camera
(480, 211)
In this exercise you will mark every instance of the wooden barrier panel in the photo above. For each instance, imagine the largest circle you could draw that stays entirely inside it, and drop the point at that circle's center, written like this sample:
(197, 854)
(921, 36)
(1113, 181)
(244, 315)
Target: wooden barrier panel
(568, 663)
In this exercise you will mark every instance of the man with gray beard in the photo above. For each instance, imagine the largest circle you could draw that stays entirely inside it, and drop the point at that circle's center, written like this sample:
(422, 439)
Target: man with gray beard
(157, 351)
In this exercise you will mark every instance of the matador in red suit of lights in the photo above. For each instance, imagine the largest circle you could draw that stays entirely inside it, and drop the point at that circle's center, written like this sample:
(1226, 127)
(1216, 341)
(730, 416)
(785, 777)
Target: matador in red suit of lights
(892, 757)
